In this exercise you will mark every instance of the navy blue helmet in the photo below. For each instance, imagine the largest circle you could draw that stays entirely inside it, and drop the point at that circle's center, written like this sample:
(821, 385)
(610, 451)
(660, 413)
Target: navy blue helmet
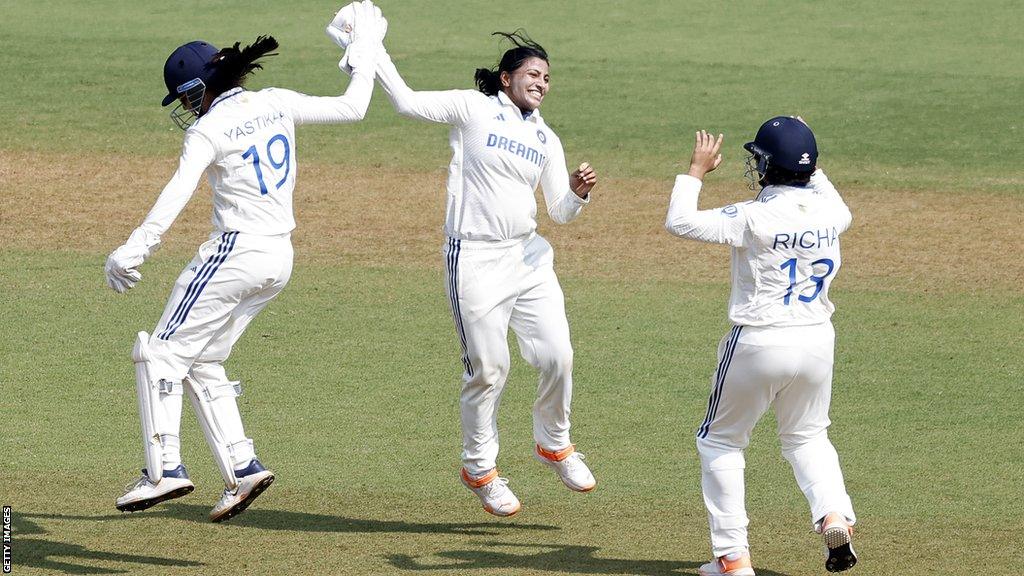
(785, 143)
(187, 63)
(187, 72)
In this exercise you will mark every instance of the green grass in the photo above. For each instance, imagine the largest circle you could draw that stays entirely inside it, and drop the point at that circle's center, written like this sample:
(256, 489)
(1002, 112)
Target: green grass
(351, 395)
(913, 95)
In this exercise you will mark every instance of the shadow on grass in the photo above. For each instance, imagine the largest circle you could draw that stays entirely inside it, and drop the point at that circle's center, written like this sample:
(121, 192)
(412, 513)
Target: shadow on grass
(61, 556)
(306, 522)
(549, 558)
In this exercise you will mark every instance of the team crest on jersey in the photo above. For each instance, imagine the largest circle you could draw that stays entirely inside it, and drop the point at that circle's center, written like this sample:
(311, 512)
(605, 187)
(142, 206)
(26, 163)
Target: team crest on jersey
(542, 137)
(731, 211)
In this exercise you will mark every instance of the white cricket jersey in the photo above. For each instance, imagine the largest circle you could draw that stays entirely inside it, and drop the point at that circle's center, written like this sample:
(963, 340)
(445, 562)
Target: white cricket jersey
(785, 248)
(498, 160)
(245, 143)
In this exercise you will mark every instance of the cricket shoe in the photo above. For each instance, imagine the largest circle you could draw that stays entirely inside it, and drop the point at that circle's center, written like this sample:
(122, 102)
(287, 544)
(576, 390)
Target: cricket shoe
(569, 465)
(838, 536)
(493, 492)
(734, 564)
(250, 482)
(143, 493)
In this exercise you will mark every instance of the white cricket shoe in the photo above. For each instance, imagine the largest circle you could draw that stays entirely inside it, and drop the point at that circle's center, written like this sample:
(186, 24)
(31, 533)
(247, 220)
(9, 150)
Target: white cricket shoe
(569, 466)
(493, 491)
(143, 493)
(251, 482)
(838, 536)
(734, 564)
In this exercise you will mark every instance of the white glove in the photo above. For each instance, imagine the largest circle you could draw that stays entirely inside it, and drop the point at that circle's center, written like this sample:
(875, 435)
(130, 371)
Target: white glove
(121, 267)
(340, 29)
(359, 28)
(122, 263)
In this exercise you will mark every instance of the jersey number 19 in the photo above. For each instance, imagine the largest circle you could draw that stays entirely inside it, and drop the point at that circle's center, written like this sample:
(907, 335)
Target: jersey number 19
(284, 163)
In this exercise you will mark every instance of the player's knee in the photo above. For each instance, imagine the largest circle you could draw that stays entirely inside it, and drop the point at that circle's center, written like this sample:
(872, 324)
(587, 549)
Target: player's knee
(794, 441)
(490, 371)
(715, 455)
(207, 373)
(554, 359)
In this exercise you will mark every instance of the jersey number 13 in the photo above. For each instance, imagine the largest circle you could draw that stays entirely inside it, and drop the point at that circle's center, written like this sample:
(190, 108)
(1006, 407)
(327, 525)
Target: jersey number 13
(819, 281)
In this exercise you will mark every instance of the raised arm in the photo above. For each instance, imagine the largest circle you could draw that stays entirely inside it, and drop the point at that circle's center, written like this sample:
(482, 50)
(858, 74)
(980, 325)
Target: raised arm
(348, 107)
(564, 196)
(720, 225)
(822, 185)
(362, 40)
(449, 107)
(446, 106)
(196, 155)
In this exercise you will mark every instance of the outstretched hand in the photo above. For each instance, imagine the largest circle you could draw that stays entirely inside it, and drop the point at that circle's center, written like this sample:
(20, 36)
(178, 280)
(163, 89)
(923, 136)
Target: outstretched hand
(582, 180)
(359, 28)
(706, 156)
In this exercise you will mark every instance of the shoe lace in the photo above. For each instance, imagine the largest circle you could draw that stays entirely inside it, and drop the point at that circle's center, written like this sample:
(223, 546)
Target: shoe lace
(496, 487)
(137, 483)
(574, 462)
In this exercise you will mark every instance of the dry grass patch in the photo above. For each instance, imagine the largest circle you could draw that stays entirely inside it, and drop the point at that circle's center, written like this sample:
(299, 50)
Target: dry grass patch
(917, 241)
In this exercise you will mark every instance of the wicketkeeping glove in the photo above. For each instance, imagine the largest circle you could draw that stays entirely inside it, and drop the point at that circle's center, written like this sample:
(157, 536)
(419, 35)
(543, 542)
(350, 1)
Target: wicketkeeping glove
(359, 28)
(122, 263)
(121, 268)
(340, 29)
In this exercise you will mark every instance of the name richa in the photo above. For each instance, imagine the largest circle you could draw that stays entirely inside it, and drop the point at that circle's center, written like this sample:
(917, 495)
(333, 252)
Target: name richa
(806, 239)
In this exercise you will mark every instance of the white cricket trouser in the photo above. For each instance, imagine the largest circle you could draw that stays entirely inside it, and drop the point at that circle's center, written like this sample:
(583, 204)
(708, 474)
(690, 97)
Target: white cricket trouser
(790, 369)
(492, 286)
(231, 279)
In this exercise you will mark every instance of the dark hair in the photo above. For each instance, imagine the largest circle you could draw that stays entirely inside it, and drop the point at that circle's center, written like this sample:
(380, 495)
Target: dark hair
(776, 176)
(231, 65)
(488, 81)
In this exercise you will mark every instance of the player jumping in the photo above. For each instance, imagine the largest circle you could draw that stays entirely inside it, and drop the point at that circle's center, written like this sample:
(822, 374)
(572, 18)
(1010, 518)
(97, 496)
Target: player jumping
(500, 272)
(245, 143)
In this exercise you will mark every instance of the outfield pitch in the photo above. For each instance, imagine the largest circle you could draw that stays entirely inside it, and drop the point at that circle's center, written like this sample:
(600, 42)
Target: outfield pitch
(351, 376)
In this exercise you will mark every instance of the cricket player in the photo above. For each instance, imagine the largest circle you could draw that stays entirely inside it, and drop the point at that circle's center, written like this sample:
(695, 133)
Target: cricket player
(245, 143)
(500, 272)
(779, 352)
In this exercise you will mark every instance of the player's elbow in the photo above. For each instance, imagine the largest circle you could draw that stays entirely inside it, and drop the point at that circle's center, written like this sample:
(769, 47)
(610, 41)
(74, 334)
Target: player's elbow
(558, 218)
(359, 111)
(673, 227)
(561, 216)
(407, 109)
(681, 228)
(402, 103)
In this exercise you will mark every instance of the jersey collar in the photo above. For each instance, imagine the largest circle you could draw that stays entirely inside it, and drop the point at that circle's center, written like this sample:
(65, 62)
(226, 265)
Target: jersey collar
(777, 189)
(225, 96)
(506, 101)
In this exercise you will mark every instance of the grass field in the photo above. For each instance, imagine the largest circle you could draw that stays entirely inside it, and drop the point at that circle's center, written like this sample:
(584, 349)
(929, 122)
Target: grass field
(351, 375)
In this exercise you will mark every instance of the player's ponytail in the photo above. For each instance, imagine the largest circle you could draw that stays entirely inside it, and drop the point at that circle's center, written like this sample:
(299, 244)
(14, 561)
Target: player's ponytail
(488, 81)
(232, 65)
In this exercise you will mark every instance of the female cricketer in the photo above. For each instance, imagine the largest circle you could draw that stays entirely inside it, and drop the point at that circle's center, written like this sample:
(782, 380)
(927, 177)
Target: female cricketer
(499, 271)
(245, 142)
(779, 353)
